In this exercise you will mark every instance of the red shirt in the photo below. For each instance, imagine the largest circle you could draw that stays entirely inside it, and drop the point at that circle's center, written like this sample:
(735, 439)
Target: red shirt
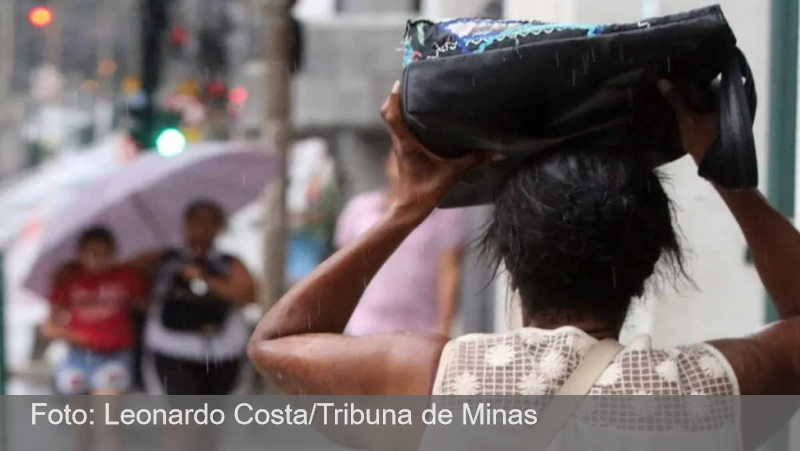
(99, 306)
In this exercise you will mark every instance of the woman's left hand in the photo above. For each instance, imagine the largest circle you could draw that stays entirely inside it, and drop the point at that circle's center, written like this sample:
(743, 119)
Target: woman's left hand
(424, 178)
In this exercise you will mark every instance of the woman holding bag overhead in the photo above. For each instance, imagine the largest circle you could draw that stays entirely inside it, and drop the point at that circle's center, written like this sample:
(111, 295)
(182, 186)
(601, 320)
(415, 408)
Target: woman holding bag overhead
(581, 232)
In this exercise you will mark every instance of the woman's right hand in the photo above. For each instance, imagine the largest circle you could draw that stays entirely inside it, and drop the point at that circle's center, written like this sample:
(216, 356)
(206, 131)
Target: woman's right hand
(424, 178)
(698, 131)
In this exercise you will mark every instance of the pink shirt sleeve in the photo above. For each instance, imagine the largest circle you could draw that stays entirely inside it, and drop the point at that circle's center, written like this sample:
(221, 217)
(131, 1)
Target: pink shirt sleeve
(452, 229)
(345, 225)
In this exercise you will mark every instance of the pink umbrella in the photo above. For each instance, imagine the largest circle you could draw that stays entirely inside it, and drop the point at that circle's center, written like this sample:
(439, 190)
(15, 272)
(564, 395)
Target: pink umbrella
(143, 202)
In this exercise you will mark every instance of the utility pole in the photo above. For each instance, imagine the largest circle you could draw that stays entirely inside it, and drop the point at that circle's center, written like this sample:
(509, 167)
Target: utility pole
(53, 34)
(276, 131)
(7, 53)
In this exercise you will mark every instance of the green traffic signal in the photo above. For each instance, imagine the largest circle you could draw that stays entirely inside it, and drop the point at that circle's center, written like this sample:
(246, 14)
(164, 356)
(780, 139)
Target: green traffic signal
(170, 142)
(161, 134)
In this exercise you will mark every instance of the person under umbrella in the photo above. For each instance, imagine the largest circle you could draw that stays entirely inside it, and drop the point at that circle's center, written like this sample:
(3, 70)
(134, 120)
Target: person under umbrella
(195, 331)
(91, 303)
(143, 203)
(90, 309)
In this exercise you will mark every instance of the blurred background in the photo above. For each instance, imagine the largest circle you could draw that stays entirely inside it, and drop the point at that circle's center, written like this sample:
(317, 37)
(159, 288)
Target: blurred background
(87, 86)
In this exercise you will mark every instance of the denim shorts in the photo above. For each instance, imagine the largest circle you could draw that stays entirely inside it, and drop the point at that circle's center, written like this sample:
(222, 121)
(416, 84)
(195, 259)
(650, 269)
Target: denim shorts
(84, 372)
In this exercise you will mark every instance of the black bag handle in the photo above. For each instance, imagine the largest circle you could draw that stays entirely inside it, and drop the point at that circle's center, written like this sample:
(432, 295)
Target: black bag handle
(731, 161)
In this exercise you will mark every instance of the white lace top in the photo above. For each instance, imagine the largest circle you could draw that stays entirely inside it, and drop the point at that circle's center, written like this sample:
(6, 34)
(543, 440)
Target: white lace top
(537, 362)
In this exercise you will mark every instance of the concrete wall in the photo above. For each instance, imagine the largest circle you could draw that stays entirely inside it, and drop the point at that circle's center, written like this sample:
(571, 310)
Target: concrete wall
(376, 6)
(350, 65)
(730, 300)
(449, 9)
(359, 52)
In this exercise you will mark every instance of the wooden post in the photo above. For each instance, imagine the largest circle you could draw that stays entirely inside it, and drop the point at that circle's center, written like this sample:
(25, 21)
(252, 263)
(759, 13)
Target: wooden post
(276, 131)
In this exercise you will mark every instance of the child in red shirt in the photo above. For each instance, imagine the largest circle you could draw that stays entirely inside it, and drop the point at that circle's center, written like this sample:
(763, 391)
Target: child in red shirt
(90, 309)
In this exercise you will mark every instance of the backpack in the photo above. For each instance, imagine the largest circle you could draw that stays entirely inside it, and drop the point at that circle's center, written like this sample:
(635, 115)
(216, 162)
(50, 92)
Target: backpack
(186, 311)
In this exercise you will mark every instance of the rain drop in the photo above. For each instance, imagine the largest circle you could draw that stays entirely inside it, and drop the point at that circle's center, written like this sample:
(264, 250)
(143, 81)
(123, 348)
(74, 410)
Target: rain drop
(573, 77)
(558, 60)
(669, 65)
(593, 58)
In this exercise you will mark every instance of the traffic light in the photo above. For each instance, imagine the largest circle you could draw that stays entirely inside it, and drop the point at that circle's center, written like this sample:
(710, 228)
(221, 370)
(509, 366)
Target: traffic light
(237, 96)
(40, 16)
(164, 135)
(170, 142)
(216, 90)
(178, 36)
(155, 129)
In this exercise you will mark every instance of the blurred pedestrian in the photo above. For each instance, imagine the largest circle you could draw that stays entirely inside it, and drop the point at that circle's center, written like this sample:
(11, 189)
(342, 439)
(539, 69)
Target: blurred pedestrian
(417, 289)
(91, 305)
(90, 309)
(196, 334)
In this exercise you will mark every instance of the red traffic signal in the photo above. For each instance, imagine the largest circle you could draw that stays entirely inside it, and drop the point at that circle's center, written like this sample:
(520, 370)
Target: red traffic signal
(40, 16)
(179, 36)
(216, 89)
(237, 96)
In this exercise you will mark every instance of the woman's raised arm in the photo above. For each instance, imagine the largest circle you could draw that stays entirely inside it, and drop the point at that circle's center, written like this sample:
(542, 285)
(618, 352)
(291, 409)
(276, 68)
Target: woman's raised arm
(769, 361)
(299, 345)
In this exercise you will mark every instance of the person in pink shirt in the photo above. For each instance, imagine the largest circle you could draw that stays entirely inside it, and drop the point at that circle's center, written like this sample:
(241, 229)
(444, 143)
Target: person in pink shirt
(417, 289)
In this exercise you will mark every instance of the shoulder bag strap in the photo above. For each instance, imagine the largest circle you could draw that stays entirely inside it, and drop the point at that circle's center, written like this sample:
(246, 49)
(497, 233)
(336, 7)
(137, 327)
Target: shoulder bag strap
(576, 388)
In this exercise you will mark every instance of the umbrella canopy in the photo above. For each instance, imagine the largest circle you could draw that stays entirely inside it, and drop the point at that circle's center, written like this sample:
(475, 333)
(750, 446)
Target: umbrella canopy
(47, 188)
(143, 203)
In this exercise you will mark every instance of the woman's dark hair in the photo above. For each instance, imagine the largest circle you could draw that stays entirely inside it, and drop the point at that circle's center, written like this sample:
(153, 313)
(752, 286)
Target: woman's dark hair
(204, 204)
(96, 234)
(582, 231)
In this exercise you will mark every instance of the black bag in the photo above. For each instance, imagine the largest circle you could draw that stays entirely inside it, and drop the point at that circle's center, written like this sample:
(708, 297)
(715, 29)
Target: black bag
(523, 87)
(185, 311)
